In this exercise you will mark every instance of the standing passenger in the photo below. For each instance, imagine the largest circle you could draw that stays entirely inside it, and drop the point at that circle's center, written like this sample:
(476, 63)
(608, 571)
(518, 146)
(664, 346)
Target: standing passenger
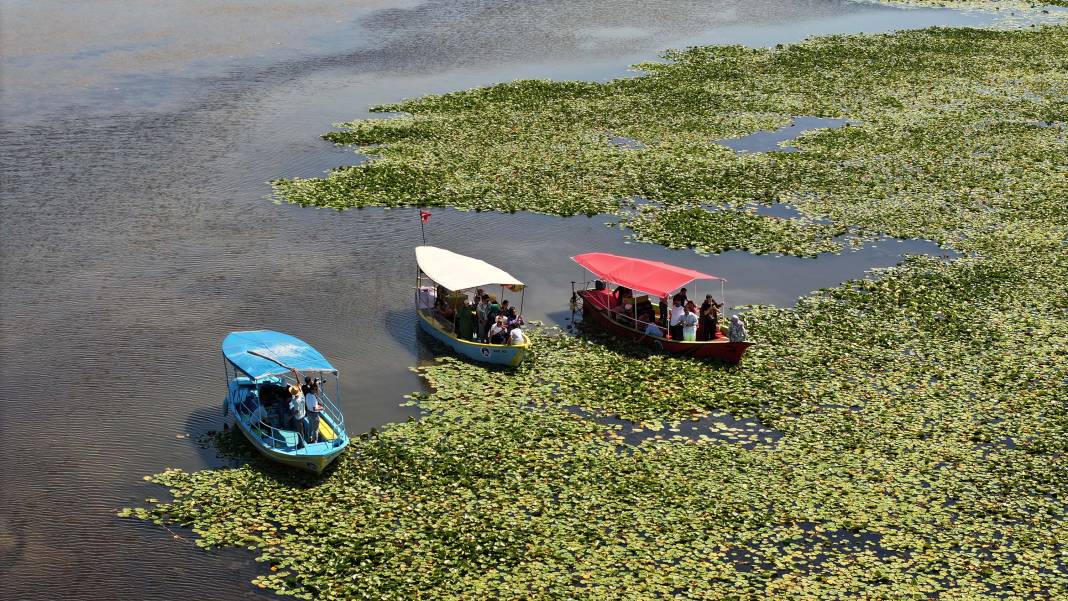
(311, 401)
(297, 408)
(689, 322)
(482, 311)
(709, 314)
(677, 311)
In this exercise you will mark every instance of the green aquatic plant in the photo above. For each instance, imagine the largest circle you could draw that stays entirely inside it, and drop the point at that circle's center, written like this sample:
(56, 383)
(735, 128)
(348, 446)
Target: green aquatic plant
(947, 123)
(698, 228)
(920, 416)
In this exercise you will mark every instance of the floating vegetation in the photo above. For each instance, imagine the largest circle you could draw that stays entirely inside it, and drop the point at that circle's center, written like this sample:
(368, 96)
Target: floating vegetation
(947, 122)
(721, 230)
(918, 420)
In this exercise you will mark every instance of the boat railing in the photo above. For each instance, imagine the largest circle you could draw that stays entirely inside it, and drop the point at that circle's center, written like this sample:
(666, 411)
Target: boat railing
(638, 325)
(270, 434)
(332, 411)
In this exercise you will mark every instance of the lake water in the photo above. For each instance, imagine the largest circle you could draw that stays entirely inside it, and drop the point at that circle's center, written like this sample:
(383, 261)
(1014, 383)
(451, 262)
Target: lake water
(135, 232)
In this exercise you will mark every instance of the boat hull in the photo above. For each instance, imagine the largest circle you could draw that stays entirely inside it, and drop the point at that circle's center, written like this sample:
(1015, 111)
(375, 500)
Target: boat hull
(498, 354)
(720, 349)
(314, 461)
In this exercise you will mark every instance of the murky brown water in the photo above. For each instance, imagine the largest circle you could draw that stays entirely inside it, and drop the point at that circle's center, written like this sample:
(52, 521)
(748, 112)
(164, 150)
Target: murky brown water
(135, 233)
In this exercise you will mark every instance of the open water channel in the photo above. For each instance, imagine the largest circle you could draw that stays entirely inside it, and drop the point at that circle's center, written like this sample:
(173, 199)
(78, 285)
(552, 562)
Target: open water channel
(135, 232)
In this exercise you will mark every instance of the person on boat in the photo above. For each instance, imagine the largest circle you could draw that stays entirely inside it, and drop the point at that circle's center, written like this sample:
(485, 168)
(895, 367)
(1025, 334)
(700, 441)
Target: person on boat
(651, 329)
(494, 310)
(709, 314)
(664, 311)
(312, 407)
(516, 336)
(622, 314)
(681, 297)
(498, 333)
(737, 332)
(677, 311)
(465, 322)
(514, 318)
(689, 321)
(619, 294)
(482, 311)
(273, 398)
(297, 408)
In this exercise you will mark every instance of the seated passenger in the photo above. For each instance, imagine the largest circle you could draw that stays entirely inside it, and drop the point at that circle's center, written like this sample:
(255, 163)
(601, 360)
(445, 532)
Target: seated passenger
(737, 331)
(516, 336)
(651, 329)
(498, 333)
(514, 318)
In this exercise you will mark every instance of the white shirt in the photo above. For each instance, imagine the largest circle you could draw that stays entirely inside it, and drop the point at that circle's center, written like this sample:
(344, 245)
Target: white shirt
(495, 329)
(311, 401)
(676, 315)
(296, 405)
(517, 336)
(689, 323)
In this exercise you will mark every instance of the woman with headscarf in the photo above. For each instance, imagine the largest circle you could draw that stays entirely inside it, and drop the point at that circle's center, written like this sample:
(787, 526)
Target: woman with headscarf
(737, 331)
(689, 322)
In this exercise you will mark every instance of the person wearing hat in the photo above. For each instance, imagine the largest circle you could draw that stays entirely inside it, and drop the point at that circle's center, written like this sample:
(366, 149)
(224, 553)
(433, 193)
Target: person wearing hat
(297, 407)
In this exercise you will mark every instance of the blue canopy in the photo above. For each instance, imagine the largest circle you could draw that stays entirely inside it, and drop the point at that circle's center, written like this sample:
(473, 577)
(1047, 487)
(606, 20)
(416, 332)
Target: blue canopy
(286, 349)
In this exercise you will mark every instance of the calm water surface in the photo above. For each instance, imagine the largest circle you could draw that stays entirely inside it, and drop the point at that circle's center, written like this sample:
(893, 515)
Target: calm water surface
(135, 232)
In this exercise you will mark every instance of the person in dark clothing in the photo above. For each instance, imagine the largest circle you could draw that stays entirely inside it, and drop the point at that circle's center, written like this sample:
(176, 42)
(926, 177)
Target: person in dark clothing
(681, 297)
(709, 318)
(465, 322)
(664, 312)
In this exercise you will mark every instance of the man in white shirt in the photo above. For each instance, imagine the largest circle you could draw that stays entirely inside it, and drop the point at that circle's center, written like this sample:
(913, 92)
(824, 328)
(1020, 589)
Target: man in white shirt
(677, 311)
(311, 400)
(498, 332)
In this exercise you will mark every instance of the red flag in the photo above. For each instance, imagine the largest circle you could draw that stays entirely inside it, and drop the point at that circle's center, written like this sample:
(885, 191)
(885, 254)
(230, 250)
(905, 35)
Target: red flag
(424, 215)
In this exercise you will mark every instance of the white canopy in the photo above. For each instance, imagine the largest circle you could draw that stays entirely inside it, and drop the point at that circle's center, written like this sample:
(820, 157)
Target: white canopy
(457, 272)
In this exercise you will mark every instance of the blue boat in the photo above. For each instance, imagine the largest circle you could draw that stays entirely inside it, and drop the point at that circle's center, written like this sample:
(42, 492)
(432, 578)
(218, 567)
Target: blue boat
(258, 365)
(453, 275)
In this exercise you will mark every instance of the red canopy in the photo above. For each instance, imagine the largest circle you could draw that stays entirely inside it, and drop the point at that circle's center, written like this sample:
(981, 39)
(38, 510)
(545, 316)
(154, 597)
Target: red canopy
(653, 277)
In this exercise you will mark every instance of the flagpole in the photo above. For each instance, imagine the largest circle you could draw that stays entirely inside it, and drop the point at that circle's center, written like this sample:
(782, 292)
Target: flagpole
(422, 230)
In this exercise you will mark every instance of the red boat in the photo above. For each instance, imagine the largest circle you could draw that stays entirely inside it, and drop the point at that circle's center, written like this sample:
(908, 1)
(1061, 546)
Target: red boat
(619, 315)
